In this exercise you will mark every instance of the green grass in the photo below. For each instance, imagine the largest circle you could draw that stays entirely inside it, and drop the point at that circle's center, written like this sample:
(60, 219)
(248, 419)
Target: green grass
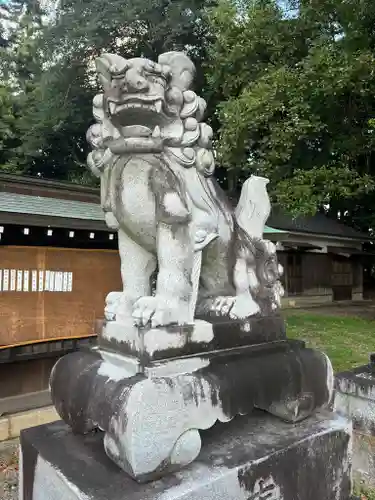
(364, 493)
(347, 341)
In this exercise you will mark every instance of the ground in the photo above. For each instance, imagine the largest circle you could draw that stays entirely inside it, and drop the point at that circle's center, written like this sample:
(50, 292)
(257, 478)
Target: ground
(345, 333)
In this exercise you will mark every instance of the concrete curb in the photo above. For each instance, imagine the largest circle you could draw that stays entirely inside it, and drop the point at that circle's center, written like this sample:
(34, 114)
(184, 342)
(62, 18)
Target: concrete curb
(12, 425)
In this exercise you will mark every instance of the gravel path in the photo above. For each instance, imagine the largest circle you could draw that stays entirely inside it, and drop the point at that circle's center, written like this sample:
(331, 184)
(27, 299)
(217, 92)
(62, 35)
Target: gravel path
(9, 470)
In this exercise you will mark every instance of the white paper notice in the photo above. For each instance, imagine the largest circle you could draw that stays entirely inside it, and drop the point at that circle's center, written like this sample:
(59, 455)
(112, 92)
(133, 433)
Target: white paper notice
(70, 282)
(6, 280)
(26, 281)
(19, 281)
(13, 275)
(34, 281)
(51, 284)
(41, 281)
(65, 282)
(46, 281)
(59, 282)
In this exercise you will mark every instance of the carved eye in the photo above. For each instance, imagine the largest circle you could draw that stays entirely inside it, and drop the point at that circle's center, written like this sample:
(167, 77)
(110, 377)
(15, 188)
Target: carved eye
(158, 69)
(156, 79)
(166, 70)
(149, 65)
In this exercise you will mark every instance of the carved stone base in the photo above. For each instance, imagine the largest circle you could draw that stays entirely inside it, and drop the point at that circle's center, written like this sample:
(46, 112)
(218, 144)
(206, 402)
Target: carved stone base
(355, 399)
(152, 420)
(207, 334)
(250, 458)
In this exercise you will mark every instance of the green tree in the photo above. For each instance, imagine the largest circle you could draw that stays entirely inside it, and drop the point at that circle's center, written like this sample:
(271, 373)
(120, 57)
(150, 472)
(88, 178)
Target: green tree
(59, 108)
(20, 69)
(8, 133)
(299, 94)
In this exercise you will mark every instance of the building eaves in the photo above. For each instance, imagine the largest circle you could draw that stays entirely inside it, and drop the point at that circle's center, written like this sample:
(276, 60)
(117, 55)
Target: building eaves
(50, 207)
(319, 224)
(7, 181)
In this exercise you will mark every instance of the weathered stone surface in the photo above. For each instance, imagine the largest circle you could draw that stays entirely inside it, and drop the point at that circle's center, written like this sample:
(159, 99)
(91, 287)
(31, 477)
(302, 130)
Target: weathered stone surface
(148, 344)
(152, 420)
(355, 399)
(252, 458)
(195, 336)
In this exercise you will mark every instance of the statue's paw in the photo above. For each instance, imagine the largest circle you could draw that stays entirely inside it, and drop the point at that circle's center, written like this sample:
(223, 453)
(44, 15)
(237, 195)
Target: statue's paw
(144, 309)
(112, 302)
(244, 307)
(159, 311)
(222, 305)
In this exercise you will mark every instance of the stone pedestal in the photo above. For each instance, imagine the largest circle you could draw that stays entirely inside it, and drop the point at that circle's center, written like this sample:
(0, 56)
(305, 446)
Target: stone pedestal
(355, 399)
(153, 392)
(251, 458)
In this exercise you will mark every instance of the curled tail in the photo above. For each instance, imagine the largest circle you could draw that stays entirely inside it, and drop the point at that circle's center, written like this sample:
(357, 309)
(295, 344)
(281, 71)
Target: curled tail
(263, 270)
(253, 207)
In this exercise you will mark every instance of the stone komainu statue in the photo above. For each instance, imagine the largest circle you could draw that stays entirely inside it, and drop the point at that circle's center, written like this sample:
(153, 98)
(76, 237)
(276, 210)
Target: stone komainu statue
(154, 157)
(150, 384)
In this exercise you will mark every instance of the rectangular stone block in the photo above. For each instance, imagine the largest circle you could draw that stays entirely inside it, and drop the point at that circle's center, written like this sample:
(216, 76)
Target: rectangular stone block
(4, 429)
(206, 335)
(355, 399)
(250, 458)
(31, 418)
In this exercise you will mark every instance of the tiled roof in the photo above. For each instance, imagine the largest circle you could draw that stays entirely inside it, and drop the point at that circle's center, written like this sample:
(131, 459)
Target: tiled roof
(56, 207)
(317, 224)
(80, 210)
(50, 207)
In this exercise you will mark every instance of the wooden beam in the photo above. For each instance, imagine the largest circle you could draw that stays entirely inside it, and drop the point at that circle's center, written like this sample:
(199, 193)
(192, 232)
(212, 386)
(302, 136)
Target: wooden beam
(44, 349)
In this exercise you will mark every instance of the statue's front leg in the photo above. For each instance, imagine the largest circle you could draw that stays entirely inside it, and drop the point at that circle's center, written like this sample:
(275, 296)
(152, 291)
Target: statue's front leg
(171, 303)
(137, 266)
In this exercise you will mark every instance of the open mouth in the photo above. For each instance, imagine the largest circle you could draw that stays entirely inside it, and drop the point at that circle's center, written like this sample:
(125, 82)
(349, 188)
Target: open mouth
(154, 107)
(136, 112)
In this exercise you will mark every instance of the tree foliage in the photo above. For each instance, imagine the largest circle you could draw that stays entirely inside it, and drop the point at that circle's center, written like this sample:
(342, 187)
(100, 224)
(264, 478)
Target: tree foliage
(298, 98)
(296, 88)
(8, 131)
(20, 70)
(60, 74)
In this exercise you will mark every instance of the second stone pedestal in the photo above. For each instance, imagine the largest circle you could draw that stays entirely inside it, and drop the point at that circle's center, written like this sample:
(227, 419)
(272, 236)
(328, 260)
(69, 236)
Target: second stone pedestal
(355, 399)
(256, 457)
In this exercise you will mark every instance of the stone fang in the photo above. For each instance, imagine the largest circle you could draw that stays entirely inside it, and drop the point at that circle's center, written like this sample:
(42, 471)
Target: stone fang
(156, 132)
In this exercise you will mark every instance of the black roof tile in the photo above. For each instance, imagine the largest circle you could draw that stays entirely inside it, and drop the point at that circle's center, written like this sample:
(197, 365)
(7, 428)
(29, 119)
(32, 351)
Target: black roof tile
(316, 224)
